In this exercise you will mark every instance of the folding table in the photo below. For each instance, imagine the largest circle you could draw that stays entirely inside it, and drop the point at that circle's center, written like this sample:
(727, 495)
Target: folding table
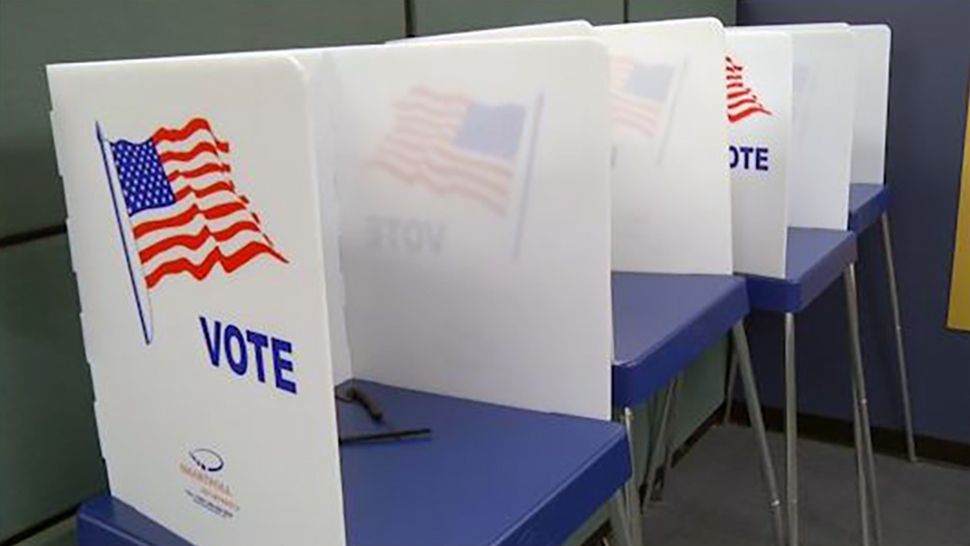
(488, 474)
(868, 203)
(662, 323)
(816, 258)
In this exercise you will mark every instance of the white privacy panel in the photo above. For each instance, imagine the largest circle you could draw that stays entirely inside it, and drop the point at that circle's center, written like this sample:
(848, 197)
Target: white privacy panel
(758, 76)
(474, 202)
(195, 238)
(671, 186)
(823, 109)
(871, 103)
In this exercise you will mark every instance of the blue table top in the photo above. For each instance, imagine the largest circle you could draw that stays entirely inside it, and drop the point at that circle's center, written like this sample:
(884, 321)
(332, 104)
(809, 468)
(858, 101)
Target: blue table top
(867, 202)
(488, 475)
(816, 258)
(662, 323)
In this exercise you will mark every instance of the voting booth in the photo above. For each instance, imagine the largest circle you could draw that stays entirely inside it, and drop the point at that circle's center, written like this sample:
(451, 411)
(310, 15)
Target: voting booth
(370, 216)
(818, 249)
(869, 195)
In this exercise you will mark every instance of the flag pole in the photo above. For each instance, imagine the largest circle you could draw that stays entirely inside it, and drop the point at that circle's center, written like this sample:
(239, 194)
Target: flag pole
(121, 234)
(527, 181)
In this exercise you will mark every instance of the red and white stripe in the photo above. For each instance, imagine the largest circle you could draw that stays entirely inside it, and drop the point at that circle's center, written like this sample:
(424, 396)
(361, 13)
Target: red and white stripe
(628, 110)
(419, 150)
(741, 100)
(210, 223)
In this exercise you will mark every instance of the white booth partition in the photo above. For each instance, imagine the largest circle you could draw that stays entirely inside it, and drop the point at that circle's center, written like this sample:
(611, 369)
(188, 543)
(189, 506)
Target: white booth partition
(671, 186)
(758, 76)
(195, 239)
(823, 109)
(474, 211)
(871, 103)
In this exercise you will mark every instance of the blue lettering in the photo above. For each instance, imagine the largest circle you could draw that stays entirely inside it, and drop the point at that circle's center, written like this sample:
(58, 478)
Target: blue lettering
(741, 157)
(212, 342)
(238, 365)
(281, 365)
(237, 347)
(761, 159)
(259, 342)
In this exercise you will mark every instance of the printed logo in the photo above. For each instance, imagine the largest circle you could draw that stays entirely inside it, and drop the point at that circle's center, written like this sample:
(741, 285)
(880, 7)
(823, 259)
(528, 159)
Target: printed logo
(741, 99)
(640, 94)
(206, 489)
(207, 459)
(178, 210)
(455, 146)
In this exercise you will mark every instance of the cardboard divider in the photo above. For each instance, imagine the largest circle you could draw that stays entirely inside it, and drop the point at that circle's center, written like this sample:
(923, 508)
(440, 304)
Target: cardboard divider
(671, 186)
(823, 109)
(195, 225)
(758, 79)
(871, 103)
(474, 212)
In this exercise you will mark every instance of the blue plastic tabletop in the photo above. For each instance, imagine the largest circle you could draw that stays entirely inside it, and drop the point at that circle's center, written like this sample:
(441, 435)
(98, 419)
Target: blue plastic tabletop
(488, 475)
(663, 322)
(867, 202)
(816, 258)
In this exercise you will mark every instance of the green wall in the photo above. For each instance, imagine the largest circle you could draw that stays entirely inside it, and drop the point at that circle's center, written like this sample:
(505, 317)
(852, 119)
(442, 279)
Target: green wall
(646, 10)
(49, 456)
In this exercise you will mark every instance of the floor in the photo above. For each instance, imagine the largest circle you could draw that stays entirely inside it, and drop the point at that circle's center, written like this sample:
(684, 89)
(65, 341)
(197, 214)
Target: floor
(716, 497)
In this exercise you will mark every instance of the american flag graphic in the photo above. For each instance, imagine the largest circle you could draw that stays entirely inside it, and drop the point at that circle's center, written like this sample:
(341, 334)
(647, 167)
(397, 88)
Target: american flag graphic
(639, 93)
(741, 100)
(455, 146)
(185, 214)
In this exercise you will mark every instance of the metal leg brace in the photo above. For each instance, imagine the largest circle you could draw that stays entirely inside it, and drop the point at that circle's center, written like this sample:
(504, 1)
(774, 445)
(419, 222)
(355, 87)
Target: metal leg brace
(669, 447)
(630, 490)
(757, 424)
(657, 449)
(861, 402)
(791, 431)
(619, 518)
(732, 376)
(900, 354)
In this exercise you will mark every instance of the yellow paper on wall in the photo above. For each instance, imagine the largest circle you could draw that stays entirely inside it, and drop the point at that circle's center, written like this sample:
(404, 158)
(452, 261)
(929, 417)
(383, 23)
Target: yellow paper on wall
(959, 316)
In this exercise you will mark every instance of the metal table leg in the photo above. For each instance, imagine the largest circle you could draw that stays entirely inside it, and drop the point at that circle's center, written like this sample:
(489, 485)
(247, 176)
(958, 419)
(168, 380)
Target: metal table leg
(669, 447)
(743, 353)
(900, 354)
(729, 391)
(791, 431)
(657, 449)
(633, 509)
(859, 381)
(619, 520)
(860, 464)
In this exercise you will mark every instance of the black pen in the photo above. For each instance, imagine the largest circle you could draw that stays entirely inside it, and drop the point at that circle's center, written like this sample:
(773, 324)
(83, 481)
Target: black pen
(389, 435)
